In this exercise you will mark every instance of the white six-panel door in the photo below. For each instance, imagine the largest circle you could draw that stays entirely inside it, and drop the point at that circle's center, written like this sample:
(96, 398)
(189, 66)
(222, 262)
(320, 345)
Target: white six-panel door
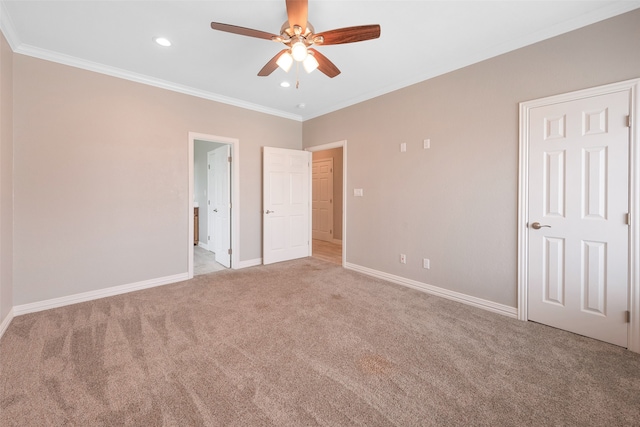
(322, 203)
(286, 204)
(211, 199)
(222, 205)
(578, 271)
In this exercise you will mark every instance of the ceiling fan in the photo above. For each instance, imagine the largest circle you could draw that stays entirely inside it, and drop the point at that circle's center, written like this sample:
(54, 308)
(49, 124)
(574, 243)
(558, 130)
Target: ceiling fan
(299, 35)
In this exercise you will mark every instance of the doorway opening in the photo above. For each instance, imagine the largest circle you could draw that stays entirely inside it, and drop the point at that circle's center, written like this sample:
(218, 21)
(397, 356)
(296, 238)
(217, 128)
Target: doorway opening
(213, 203)
(328, 195)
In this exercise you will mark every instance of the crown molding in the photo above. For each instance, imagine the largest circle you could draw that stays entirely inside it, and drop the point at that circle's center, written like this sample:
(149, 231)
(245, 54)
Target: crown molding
(72, 61)
(8, 29)
(608, 11)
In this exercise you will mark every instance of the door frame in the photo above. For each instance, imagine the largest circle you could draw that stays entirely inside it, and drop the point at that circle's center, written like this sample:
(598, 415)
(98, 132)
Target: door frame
(338, 144)
(235, 196)
(633, 86)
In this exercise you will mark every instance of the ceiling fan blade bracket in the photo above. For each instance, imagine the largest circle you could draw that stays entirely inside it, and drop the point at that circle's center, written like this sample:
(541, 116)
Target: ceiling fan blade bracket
(297, 14)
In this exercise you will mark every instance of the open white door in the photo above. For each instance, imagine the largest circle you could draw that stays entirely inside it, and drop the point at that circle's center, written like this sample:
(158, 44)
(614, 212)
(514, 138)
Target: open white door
(221, 205)
(286, 204)
(211, 186)
(578, 215)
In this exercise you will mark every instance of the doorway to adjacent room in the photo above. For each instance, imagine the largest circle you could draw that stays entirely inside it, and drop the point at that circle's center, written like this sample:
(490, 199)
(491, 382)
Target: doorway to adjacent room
(213, 207)
(328, 201)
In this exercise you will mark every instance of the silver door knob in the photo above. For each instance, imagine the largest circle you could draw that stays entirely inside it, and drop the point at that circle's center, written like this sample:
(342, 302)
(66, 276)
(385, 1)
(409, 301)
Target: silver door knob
(538, 226)
(268, 211)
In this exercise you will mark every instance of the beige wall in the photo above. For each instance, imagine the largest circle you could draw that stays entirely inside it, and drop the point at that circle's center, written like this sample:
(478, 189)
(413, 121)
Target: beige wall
(100, 168)
(101, 177)
(336, 155)
(456, 203)
(6, 178)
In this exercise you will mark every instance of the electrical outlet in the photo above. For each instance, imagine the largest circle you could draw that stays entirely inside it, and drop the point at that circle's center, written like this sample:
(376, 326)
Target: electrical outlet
(358, 192)
(426, 263)
(403, 259)
(426, 143)
(403, 147)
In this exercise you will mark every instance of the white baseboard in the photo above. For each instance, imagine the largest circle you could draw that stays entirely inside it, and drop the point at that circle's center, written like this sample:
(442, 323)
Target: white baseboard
(117, 290)
(203, 246)
(5, 322)
(435, 290)
(100, 293)
(247, 263)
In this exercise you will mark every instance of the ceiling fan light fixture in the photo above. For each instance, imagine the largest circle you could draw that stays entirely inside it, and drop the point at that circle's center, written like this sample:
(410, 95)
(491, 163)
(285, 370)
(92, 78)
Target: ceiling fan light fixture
(310, 63)
(285, 61)
(299, 51)
(298, 35)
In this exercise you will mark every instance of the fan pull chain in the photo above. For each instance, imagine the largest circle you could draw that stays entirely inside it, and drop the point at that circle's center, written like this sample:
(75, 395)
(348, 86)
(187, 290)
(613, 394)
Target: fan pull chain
(297, 74)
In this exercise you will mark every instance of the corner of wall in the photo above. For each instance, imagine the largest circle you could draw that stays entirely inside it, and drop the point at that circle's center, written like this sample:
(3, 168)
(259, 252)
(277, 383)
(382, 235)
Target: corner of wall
(6, 184)
(6, 322)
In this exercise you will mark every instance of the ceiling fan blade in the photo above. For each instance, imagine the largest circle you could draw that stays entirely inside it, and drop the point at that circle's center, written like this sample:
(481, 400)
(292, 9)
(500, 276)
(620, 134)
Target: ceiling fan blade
(324, 65)
(241, 30)
(297, 13)
(350, 34)
(271, 66)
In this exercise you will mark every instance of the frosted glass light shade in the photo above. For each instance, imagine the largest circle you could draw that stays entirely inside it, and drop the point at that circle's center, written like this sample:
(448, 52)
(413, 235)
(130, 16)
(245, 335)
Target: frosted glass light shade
(310, 63)
(285, 61)
(299, 51)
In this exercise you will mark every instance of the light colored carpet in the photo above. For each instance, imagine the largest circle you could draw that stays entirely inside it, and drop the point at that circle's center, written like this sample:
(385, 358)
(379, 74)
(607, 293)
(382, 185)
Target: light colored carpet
(304, 343)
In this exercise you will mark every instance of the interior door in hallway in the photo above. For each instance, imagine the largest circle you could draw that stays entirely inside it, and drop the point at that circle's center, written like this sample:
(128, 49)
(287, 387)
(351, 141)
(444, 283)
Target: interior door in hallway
(322, 199)
(220, 204)
(578, 209)
(286, 204)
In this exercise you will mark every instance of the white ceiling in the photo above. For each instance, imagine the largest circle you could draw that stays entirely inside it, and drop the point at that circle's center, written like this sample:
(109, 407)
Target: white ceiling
(419, 40)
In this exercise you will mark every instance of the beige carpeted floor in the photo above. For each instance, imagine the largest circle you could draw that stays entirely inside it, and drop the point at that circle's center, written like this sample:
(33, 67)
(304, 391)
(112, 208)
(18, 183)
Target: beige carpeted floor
(304, 343)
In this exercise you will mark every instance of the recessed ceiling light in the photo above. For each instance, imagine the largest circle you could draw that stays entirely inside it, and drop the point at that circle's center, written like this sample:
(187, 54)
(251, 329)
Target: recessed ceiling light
(162, 41)
(302, 105)
(285, 84)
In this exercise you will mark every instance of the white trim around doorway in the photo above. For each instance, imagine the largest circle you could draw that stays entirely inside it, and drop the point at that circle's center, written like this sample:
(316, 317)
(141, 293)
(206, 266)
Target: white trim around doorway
(633, 342)
(235, 196)
(338, 144)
